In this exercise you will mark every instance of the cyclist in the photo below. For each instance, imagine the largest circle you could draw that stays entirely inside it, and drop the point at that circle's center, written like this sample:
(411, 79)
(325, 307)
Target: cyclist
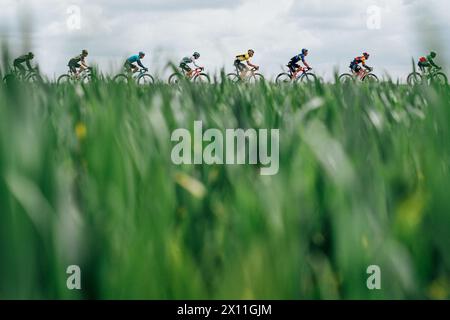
(186, 61)
(130, 65)
(293, 63)
(356, 68)
(26, 58)
(242, 68)
(78, 64)
(428, 62)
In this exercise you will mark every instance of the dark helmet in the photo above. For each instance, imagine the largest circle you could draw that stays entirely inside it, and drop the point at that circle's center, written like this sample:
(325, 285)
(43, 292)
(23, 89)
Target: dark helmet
(304, 50)
(141, 53)
(433, 54)
(366, 55)
(31, 54)
(84, 52)
(196, 55)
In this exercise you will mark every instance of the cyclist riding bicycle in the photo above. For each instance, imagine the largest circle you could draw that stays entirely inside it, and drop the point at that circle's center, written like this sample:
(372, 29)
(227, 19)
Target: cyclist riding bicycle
(427, 63)
(294, 62)
(356, 68)
(78, 64)
(186, 61)
(26, 58)
(242, 68)
(130, 65)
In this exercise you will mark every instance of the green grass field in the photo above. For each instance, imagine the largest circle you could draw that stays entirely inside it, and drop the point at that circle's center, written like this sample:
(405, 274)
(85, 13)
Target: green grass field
(87, 179)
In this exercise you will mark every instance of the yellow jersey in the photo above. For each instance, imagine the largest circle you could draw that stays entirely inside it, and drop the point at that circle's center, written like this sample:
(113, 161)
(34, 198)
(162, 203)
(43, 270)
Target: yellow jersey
(243, 57)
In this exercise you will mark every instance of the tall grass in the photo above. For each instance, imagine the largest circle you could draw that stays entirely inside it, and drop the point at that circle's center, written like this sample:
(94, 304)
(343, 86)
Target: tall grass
(86, 179)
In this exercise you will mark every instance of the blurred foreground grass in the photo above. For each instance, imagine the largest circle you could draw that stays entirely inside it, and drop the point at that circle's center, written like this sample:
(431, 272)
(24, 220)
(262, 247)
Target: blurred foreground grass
(86, 178)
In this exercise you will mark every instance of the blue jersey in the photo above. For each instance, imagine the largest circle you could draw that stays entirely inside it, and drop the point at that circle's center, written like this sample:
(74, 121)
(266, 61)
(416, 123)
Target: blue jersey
(298, 57)
(134, 58)
(137, 59)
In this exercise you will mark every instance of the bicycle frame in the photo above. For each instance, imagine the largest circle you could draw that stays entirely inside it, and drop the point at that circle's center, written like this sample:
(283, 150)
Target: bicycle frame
(361, 74)
(80, 74)
(138, 73)
(298, 73)
(196, 72)
(23, 75)
(250, 72)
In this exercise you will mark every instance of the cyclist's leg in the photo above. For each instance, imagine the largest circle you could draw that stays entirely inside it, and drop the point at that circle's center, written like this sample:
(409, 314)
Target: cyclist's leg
(127, 67)
(185, 67)
(20, 68)
(291, 67)
(296, 68)
(423, 66)
(236, 65)
(134, 67)
(358, 70)
(73, 67)
(243, 69)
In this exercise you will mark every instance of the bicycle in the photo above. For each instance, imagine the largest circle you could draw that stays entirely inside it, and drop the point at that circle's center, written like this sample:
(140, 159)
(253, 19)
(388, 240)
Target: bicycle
(433, 76)
(141, 77)
(197, 76)
(366, 76)
(250, 77)
(85, 76)
(301, 74)
(28, 76)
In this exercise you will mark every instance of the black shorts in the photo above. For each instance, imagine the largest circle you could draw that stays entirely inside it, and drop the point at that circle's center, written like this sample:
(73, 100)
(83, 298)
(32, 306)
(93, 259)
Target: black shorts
(19, 66)
(128, 65)
(293, 66)
(423, 65)
(185, 67)
(239, 65)
(355, 67)
(73, 65)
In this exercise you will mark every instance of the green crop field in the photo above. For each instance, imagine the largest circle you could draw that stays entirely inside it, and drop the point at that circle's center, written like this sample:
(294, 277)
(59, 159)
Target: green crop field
(86, 179)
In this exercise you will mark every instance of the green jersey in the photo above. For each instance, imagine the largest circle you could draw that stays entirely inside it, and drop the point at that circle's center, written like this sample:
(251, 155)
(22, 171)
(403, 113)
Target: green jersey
(431, 61)
(77, 59)
(187, 60)
(24, 58)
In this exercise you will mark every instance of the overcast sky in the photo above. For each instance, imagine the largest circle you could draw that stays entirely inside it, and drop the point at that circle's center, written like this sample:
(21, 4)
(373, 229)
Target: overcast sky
(334, 31)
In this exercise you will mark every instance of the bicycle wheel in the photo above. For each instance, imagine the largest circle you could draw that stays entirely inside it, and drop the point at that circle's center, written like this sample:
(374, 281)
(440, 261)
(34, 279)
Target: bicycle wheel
(439, 78)
(414, 78)
(258, 77)
(145, 79)
(33, 77)
(346, 78)
(175, 78)
(371, 78)
(9, 78)
(64, 79)
(233, 77)
(202, 78)
(121, 78)
(87, 78)
(283, 78)
(308, 78)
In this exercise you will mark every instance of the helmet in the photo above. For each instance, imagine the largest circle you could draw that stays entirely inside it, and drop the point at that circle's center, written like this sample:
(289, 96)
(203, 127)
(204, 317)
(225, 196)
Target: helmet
(196, 55)
(365, 54)
(31, 54)
(304, 50)
(141, 53)
(433, 54)
(84, 51)
(251, 50)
